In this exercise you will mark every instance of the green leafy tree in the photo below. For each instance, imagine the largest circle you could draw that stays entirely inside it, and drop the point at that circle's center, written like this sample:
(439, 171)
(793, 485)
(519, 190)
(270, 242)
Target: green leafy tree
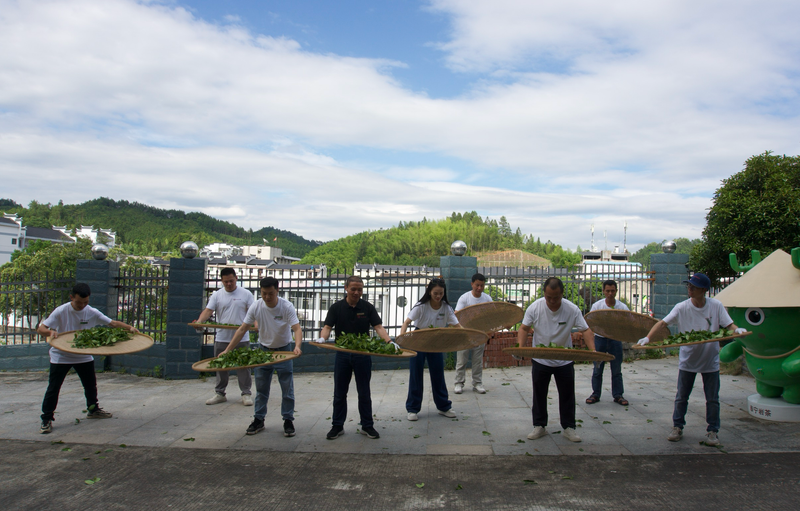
(682, 246)
(755, 209)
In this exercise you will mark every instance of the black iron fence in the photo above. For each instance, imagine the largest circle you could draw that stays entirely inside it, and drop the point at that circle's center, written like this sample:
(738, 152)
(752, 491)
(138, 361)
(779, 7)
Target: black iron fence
(28, 300)
(142, 300)
(394, 291)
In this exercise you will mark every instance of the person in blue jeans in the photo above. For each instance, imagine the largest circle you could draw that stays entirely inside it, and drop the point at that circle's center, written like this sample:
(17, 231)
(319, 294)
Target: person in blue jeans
(697, 313)
(432, 311)
(277, 321)
(610, 346)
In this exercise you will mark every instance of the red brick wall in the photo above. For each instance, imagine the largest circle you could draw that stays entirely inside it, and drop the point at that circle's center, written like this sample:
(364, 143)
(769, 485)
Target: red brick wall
(494, 356)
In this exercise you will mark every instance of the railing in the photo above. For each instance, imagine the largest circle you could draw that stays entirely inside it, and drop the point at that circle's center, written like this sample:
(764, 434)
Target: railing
(394, 292)
(28, 300)
(582, 286)
(142, 300)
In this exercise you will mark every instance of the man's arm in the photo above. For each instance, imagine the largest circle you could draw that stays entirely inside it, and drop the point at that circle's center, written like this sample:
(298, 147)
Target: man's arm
(587, 335)
(119, 324)
(522, 334)
(298, 338)
(326, 332)
(382, 333)
(204, 316)
(46, 331)
(237, 337)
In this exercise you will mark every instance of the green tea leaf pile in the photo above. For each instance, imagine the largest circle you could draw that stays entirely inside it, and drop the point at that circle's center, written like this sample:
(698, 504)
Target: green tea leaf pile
(214, 323)
(99, 336)
(241, 357)
(693, 336)
(364, 342)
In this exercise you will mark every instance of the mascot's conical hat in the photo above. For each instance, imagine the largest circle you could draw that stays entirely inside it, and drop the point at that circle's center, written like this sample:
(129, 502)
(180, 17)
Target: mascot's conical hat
(773, 282)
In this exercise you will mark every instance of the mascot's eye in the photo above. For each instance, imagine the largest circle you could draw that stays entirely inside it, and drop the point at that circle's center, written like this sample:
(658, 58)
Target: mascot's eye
(754, 316)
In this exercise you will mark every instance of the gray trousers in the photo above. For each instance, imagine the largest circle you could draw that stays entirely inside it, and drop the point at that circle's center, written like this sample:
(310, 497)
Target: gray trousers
(245, 380)
(477, 365)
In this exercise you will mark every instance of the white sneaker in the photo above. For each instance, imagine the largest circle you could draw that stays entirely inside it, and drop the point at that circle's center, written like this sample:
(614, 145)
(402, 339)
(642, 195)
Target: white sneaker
(675, 435)
(712, 439)
(459, 388)
(218, 398)
(571, 435)
(247, 400)
(412, 416)
(450, 414)
(479, 389)
(538, 432)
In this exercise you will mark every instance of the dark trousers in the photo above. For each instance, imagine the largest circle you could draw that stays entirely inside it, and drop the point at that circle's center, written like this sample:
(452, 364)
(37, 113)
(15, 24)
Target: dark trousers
(344, 366)
(57, 374)
(565, 382)
(416, 386)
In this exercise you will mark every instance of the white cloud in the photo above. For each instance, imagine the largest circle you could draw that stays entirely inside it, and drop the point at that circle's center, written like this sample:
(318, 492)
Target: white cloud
(581, 111)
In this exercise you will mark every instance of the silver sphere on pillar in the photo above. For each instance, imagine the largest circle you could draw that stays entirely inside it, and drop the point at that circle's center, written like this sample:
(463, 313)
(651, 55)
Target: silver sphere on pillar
(458, 248)
(668, 247)
(99, 251)
(189, 249)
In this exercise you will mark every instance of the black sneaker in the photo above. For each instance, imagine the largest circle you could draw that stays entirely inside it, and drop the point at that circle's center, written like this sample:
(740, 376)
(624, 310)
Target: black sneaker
(288, 428)
(98, 413)
(335, 432)
(46, 427)
(256, 426)
(370, 432)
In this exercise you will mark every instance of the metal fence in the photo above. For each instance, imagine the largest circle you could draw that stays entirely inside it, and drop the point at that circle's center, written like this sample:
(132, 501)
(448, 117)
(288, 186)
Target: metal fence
(142, 300)
(394, 291)
(28, 300)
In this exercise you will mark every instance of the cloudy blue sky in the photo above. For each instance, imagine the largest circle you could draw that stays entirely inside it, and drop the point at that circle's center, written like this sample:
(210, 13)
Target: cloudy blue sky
(329, 118)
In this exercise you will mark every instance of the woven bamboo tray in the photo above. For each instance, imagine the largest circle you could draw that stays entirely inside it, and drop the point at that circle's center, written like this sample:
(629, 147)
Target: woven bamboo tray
(650, 346)
(490, 316)
(220, 327)
(331, 346)
(278, 356)
(625, 326)
(441, 340)
(139, 342)
(560, 354)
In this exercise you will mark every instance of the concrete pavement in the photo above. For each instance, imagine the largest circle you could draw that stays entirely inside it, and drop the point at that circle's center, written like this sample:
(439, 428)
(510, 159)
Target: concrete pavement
(179, 452)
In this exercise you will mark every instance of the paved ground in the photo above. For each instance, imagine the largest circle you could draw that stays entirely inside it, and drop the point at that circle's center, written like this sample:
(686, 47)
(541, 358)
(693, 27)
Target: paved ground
(182, 453)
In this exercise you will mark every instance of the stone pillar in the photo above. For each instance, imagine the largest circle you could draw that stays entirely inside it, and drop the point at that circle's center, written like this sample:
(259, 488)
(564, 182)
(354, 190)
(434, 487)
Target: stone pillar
(457, 272)
(670, 271)
(184, 304)
(101, 277)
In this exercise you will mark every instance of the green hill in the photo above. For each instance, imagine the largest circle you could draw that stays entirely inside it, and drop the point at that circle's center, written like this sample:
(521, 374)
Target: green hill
(418, 243)
(146, 230)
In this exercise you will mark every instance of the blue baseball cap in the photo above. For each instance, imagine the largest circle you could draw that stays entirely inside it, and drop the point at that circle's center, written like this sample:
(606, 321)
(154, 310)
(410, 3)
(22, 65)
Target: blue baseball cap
(699, 280)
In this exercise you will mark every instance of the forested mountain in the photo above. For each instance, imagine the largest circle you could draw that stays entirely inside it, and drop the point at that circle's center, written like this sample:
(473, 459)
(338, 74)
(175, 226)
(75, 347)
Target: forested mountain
(418, 243)
(145, 230)
(684, 246)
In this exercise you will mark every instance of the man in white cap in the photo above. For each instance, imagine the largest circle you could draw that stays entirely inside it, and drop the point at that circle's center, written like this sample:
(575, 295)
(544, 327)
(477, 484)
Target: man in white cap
(697, 313)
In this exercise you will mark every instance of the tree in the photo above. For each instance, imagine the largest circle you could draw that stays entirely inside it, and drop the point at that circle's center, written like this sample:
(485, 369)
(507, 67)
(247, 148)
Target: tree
(682, 246)
(755, 209)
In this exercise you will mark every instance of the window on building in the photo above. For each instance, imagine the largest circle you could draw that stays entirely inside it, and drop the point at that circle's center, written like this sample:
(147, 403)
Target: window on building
(13, 241)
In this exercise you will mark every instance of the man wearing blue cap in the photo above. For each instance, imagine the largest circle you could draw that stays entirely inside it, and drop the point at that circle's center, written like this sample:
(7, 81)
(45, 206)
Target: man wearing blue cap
(697, 313)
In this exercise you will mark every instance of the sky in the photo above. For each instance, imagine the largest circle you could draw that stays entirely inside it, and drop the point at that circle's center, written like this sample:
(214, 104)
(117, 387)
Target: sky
(332, 118)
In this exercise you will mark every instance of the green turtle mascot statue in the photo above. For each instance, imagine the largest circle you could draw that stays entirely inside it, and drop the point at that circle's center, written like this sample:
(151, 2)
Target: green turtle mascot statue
(766, 300)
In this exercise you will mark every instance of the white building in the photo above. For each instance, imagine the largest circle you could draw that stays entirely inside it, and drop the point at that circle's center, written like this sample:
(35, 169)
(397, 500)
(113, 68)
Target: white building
(15, 236)
(106, 236)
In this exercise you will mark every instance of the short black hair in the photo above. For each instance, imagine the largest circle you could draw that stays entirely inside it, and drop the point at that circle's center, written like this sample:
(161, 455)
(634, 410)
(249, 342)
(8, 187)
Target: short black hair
(610, 283)
(351, 279)
(554, 283)
(268, 282)
(478, 276)
(227, 271)
(81, 289)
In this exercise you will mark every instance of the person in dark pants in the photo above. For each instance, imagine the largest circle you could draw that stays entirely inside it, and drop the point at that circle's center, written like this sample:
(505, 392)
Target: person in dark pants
(551, 319)
(352, 316)
(432, 311)
(610, 346)
(76, 314)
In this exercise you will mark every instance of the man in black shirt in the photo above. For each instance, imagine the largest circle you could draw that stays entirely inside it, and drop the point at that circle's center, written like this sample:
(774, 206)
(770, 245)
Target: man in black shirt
(352, 316)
